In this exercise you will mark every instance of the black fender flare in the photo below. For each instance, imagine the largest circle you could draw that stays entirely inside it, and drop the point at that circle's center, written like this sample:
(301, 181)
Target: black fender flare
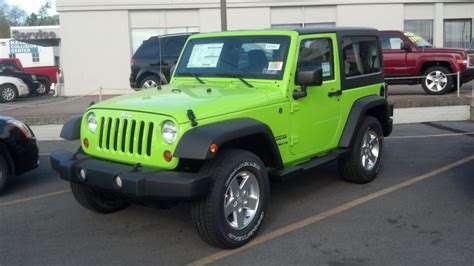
(150, 70)
(72, 128)
(359, 110)
(195, 143)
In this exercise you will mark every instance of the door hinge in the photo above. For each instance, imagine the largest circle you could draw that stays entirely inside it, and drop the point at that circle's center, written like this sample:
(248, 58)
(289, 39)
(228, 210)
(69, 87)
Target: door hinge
(294, 107)
(294, 140)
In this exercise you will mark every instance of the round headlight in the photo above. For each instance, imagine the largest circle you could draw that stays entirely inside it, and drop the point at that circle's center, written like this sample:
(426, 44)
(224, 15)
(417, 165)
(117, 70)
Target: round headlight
(168, 131)
(92, 122)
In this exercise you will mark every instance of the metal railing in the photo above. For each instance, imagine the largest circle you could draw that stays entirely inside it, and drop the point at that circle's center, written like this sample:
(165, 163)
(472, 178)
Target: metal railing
(457, 74)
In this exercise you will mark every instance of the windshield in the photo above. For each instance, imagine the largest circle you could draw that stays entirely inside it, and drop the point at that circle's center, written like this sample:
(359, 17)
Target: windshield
(418, 40)
(256, 57)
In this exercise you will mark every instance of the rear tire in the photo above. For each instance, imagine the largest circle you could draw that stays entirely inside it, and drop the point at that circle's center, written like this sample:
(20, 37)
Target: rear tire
(150, 82)
(4, 173)
(98, 200)
(44, 88)
(437, 82)
(8, 93)
(362, 164)
(235, 205)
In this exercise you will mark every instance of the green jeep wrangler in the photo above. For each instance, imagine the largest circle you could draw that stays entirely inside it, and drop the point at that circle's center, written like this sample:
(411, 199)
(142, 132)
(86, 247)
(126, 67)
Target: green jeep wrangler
(242, 106)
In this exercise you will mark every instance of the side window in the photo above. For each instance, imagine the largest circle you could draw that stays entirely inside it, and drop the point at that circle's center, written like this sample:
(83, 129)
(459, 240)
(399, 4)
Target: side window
(148, 49)
(360, 56)
(317, 53)
(391, 42)
(174, 46)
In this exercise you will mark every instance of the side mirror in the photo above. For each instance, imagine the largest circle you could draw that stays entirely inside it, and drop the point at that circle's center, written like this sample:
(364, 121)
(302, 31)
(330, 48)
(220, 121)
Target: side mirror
(304, 78)
(405, 46)
(312, 77)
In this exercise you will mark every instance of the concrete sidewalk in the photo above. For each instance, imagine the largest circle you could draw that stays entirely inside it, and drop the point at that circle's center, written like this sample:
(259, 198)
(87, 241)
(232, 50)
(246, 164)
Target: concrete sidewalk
(55, 110)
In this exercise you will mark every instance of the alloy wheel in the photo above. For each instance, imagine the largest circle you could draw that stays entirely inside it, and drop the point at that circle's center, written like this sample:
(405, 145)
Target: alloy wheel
(436, 81)
(8, 94)
(241, 200)
(370, 150)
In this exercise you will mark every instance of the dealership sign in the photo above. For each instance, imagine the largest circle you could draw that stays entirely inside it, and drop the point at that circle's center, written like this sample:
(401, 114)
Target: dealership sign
(33, 35)
(17, 47)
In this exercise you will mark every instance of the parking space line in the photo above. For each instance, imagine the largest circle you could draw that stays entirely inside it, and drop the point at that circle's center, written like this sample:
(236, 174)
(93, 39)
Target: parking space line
(433, 136)
(8, 203)
(326, 214)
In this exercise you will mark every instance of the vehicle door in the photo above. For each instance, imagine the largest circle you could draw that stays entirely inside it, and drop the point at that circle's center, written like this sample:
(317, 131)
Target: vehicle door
(395, 55)
(315, 118)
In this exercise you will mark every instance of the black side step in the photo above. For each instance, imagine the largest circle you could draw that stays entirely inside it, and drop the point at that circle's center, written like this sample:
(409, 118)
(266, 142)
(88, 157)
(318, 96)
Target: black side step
(317, 161)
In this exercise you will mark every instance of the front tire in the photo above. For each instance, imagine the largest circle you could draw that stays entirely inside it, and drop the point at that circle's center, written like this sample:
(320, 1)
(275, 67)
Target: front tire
(4, 172)
(8, 93)
(236, 203)
(98, 200)
(437, 81)
(362, 164)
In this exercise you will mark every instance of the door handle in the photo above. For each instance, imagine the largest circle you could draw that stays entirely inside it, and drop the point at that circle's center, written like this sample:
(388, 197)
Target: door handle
(334, 93)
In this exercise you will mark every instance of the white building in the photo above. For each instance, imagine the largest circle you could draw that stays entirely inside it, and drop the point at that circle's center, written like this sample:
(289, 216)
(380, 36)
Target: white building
(98, 37)
(30, 55)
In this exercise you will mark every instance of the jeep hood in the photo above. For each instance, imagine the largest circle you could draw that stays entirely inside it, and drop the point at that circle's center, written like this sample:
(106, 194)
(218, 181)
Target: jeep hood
(205, 101)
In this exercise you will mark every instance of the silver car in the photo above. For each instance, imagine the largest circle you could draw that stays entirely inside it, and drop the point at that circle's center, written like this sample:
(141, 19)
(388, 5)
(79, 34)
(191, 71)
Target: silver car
(11, 88)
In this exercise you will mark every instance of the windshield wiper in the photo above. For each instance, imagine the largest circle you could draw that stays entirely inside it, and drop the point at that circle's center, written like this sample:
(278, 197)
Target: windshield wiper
(237, 76)
(196, 76)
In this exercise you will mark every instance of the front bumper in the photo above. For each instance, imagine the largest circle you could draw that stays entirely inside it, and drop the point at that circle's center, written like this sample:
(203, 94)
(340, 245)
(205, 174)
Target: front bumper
(467, 75)
(142, 183)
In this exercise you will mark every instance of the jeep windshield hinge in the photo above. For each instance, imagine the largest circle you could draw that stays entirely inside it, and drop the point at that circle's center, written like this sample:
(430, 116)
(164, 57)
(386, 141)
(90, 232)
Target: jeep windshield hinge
(192, 117)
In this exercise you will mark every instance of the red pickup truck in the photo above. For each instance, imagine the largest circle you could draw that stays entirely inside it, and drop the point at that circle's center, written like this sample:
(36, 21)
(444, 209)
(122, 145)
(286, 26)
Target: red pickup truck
(408, 55)
(44, 74)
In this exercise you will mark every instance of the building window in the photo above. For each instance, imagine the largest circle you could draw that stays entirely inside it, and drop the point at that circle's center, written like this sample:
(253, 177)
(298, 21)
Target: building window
(304, 25)
(457, 33)
(287, 26)
(421, 27)
(36, 57)
(361, 56)
(141, 35)
(320, 25)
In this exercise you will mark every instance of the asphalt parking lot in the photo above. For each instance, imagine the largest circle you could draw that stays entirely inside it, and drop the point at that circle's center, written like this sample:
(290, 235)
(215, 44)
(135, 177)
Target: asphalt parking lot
(419, 211)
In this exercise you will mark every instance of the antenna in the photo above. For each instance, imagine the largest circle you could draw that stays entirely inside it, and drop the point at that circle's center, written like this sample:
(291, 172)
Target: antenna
(159, 57)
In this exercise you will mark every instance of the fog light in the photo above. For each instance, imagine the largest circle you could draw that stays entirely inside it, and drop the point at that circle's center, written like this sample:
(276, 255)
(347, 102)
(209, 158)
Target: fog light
(118, 181)
(82, 175)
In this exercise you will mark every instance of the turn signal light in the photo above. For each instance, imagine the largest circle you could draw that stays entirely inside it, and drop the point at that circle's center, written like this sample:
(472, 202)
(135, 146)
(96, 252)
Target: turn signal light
(86, 142)
(168, 156)
(213, 148)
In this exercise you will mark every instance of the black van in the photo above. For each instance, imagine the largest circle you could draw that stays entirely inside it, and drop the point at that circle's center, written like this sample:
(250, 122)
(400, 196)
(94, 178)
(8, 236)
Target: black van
(150, 65)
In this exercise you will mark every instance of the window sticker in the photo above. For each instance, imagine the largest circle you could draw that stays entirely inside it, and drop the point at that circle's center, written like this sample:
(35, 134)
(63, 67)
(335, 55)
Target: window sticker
(326, 69)
(272, 46)
(205, 55)
(275, 66)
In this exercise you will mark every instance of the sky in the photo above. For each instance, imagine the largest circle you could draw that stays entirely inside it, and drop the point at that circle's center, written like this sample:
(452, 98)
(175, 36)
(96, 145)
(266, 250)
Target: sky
(31, 5)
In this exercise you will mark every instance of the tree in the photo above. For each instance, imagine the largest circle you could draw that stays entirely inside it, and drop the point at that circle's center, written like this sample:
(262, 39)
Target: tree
(16, 16)
(43, 17)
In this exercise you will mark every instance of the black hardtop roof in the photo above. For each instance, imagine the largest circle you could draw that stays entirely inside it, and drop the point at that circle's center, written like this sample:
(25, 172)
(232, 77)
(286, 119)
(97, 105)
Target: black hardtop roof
(337, 30)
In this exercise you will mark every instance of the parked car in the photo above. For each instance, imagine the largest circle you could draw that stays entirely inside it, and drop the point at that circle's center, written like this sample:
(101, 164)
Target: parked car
(30, 80)
(152, 63)
(18, 149)
(11, 88)
(46, 75)
(409, 55)
(241, 105)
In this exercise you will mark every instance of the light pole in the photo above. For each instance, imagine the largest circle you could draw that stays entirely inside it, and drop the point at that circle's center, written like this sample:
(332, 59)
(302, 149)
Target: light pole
(223, 15)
